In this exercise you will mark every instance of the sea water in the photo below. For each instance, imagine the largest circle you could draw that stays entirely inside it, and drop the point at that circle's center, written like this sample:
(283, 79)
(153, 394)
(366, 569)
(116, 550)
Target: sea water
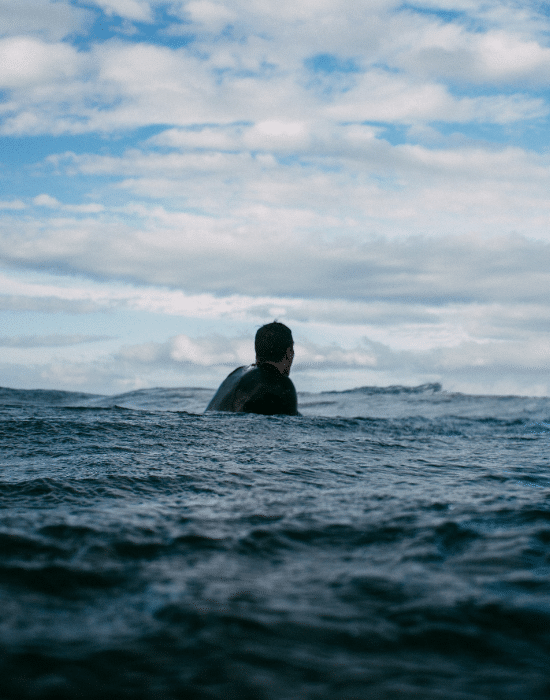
(388, 543)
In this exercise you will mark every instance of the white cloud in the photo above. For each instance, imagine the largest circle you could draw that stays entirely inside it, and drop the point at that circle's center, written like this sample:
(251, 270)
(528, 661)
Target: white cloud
(138, 10)
(261, 76)
(26, 61)
(51, 20)
(262, 250)
(383, 96)
(208, 137)
(210, 351)
(14, 204)
(230, 352)
(279, 136)
(46, 304)
(467, 346)
(481, 367)
(53, 340)
(450, 51)
(212, 15)
(346, 180)
(45, 200)
(505, 56)
(401, 324)
(214, 148)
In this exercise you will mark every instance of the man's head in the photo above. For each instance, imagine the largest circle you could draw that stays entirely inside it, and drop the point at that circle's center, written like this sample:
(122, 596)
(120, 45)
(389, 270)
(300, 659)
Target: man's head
(273, 343)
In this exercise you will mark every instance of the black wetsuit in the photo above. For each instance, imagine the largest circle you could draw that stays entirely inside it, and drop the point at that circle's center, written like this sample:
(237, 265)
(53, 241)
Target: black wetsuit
(256, 389)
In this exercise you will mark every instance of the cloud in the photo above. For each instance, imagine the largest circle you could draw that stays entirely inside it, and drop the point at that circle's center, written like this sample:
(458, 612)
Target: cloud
(138, 10)
(386, 97)
(50, 20)
(49, 341)
(482, 366)
(243, 150)
(205, 352)
(27, 61)
(217, 350)
(420, 322)
(269, 250)
(279, 70)
(493, 57)
(346, 178)
(214, 16)
(45, 200)
(15, 204)
(422, 325)
(492, 347)
(47, 304)
(80, 297)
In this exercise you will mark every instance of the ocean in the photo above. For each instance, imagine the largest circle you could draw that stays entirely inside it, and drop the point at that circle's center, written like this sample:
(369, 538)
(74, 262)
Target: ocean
(390, 543)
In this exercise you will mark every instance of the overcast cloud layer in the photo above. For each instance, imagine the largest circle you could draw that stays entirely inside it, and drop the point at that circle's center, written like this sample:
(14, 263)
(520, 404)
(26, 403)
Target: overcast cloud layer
(175, 174)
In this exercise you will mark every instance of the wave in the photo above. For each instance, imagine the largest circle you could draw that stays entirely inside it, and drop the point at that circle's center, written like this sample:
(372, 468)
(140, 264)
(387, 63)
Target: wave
(393, 389)
(166, 398)
(191, 399)
(429, 401)
(43, 396)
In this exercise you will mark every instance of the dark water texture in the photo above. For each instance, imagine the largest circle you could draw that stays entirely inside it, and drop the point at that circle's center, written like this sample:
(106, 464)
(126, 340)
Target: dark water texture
(390, 543)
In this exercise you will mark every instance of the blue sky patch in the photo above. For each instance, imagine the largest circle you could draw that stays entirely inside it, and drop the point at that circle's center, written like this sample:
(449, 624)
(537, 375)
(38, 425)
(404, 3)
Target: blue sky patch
(109, 26)
(328, 63)
(445, 15)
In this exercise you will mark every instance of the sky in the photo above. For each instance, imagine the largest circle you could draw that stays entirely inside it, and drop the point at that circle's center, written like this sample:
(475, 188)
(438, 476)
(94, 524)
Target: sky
(375, 174)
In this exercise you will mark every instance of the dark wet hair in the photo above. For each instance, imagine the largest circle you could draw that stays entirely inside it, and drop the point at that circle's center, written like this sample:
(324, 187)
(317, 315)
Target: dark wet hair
(272, 342)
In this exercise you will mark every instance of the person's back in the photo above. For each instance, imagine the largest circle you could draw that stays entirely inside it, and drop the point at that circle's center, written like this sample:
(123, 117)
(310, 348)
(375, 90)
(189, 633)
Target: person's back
(256, 389)
(264, 387)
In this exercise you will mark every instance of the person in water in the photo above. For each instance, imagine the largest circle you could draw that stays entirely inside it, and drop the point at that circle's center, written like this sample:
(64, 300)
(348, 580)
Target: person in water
(263, 387)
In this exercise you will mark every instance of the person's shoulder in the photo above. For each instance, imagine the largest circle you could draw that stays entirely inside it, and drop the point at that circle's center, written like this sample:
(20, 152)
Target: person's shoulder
(269, 393)
(284, 380)
(247, 373)
(277, 382)
(269, 372)
(238, 369)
